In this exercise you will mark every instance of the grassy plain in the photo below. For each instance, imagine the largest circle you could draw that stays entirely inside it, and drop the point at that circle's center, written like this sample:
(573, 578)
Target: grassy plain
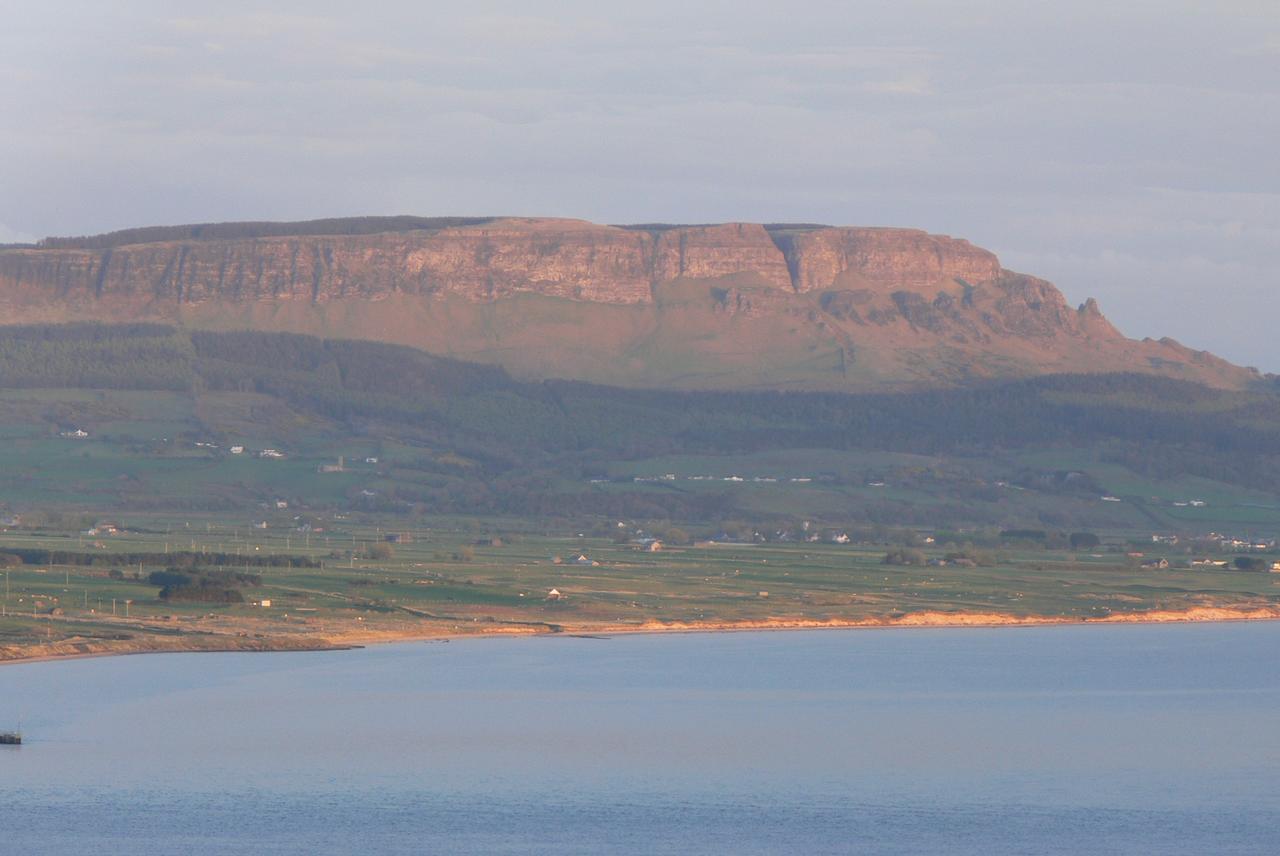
(471, 576)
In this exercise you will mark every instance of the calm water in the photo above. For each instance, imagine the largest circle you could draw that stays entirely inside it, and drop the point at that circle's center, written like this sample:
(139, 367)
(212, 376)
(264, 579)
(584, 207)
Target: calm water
(1030, 740)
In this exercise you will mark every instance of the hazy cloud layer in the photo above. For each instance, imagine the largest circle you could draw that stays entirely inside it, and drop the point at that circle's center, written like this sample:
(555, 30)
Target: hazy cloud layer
(1127, 154)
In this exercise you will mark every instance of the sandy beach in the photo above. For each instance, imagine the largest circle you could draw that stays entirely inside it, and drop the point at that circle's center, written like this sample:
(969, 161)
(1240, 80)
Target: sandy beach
(331, 640)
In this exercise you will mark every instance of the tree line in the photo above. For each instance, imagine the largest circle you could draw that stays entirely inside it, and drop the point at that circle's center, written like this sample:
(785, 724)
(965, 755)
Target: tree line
(185, 559)
(334, 226)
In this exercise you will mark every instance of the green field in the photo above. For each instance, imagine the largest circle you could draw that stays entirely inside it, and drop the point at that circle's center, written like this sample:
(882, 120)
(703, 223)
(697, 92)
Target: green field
(468, 576)
(374, 440)
(139, 457)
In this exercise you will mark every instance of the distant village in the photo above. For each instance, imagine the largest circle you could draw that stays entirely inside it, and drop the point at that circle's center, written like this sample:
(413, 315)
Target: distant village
(1160, 551)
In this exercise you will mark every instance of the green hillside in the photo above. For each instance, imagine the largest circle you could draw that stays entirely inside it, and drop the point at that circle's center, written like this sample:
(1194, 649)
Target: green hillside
(422, 435)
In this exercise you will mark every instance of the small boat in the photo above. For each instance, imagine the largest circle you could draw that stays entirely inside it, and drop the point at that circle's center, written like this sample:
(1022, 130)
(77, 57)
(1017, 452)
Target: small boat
(10, 738)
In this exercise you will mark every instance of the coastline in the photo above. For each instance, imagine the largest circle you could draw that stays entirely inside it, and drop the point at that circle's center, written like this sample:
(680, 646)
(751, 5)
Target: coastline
(220, 643)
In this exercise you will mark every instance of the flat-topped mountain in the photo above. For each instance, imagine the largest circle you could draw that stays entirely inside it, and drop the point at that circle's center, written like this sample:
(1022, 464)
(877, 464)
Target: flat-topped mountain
(710, 306)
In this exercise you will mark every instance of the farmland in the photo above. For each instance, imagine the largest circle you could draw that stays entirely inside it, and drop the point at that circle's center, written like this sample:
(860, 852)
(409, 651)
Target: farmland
(402, 495)
(469, 576)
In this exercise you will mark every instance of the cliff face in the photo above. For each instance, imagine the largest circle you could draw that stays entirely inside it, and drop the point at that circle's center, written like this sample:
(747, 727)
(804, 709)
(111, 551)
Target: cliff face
(561, 258)
(722, 305)
(900, 258)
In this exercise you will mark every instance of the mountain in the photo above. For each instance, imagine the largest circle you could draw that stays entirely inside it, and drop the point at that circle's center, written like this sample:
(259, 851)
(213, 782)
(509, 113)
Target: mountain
(728, 306)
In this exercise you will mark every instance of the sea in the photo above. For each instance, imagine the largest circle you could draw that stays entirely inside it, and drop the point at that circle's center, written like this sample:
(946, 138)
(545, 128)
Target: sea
(1144, 739)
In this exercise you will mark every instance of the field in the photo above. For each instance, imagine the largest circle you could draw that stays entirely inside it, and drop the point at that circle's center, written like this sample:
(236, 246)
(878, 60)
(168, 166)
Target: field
(470, 576)
(145, 451)
(402, 495)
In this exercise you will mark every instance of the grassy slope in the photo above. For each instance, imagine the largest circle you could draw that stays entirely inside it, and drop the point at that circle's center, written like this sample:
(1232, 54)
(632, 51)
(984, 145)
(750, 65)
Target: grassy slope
(142, 455)
(686, 339)
(466, 437)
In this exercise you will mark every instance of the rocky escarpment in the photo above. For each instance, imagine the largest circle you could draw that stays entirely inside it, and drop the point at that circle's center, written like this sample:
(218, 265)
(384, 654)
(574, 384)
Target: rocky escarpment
(716, 305)
(562, 258)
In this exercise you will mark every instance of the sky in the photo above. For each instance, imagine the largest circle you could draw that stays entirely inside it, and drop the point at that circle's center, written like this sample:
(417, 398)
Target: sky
(1124, 151)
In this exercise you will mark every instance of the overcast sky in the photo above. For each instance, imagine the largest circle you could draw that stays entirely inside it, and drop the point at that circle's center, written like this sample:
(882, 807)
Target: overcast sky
(1130, 154)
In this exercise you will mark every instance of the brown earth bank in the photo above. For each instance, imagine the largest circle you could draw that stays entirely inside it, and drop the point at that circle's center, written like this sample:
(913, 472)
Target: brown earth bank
(332, 639)
(738, 305)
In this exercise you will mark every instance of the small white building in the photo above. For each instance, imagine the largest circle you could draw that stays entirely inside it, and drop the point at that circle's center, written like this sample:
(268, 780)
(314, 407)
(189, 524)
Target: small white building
(237, 450)
(554, 594)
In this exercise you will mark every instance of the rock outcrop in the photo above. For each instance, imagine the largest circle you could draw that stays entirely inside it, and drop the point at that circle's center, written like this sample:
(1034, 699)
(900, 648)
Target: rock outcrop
(561, 258)
(716, 305)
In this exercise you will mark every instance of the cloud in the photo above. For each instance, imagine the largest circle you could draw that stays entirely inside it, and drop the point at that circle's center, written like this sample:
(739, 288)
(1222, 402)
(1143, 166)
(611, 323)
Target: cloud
(915, 84)
(1208, 304)
(13, 236)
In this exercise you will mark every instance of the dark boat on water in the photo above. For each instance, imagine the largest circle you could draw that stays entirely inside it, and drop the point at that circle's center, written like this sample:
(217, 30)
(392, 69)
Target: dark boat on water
(10, 738)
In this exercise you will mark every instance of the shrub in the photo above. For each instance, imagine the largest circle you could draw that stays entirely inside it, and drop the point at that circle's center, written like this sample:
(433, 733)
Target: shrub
(1084, 541)
(904, 556)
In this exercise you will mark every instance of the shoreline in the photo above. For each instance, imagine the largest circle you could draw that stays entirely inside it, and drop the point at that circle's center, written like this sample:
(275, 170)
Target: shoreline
(77, 650)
